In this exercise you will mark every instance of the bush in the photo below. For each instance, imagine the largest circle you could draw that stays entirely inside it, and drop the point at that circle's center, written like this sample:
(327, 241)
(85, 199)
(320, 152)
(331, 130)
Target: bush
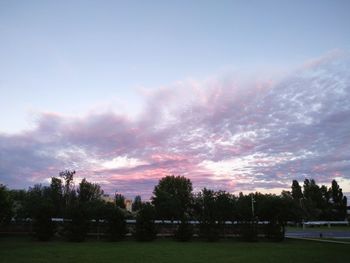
(145, 227)
(116, 225)
(5, 206)
(209, 230)
(248, 232)
(184, 231)
(43, 226)
(77, 228)
(274, 232)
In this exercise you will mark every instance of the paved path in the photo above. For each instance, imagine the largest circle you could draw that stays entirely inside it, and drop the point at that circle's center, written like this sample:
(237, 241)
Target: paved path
(321, 240)
(316, 234)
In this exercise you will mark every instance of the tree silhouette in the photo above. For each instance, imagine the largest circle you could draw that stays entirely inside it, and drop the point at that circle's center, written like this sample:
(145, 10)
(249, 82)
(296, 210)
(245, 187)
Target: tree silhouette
(172, 197)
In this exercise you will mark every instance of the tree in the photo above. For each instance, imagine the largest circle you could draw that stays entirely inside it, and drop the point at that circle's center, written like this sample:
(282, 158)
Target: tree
(244, 207)
(326, 208)
(184, 232)
(68, 190)
(77, 226)
(116, 225)
(339, 201)
(42, 222)
(41, 210)
(56, 193)
(120, 201)
(172, 197)
(90, 203)
(297, 193)
(225, 206)
(277, 210)
(145, 227)
(88, 192)
(81, 208)
(291, 210)
(136, 205)
(312, 202)
(208, 214)
(18, 198)
(5, 205)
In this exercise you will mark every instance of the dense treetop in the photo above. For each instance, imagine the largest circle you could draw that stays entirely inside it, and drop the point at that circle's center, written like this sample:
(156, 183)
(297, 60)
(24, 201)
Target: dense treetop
(173, 199)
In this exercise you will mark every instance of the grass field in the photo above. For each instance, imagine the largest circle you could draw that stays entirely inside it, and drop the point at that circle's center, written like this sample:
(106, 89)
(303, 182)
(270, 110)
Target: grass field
(24, 250)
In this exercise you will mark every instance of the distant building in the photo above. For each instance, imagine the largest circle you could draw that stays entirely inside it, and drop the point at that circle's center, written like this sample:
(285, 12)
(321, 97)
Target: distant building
(128, 205)
(108, 198)
(111, 199)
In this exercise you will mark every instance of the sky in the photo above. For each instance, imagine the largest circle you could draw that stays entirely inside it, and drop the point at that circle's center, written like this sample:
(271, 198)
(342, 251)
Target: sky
(235, 95)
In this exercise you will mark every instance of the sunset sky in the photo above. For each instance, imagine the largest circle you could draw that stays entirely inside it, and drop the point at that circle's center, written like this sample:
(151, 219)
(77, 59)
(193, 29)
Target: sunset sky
(235, 95)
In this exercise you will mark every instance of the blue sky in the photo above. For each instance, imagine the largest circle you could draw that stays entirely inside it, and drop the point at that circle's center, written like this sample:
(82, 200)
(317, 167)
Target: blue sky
(138, 64)
(76, 54)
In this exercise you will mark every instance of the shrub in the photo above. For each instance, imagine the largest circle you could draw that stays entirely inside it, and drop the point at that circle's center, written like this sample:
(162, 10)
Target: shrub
(43, 225)
(184, 231)
(209, 230)
(5, 206)
(77, 228)
(116, 225)
(248, 232)
(145, 227)
(274, 232)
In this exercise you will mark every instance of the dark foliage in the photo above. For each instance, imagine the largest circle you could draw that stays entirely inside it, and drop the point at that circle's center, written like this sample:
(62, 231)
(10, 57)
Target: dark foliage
(248, 232)
(6, 204)
(274, 232)
(145, 227)
(209, 230)
(43, 225)
(136, 205)
(115, 224)
(173, 200)
(184, 231)
(211, 218)
(77, 226)
(172, 197)
(40, 208)
(119, 201)
(88, 192)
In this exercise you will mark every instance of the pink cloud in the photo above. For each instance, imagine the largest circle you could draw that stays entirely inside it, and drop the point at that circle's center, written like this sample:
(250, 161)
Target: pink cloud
(296, 127)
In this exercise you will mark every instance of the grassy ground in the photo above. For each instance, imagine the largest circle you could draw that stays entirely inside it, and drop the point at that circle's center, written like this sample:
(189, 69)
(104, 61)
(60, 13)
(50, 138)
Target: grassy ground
(24, 250)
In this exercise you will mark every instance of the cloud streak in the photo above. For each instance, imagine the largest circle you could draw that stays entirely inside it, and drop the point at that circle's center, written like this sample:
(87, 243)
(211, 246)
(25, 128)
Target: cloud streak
(222, 133)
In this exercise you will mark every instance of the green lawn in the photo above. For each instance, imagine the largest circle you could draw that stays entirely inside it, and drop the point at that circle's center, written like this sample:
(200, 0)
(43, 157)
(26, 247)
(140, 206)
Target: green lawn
(24, 250)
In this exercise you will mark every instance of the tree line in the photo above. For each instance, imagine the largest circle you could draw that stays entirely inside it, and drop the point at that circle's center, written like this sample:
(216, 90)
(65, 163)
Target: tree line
(173, 199)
